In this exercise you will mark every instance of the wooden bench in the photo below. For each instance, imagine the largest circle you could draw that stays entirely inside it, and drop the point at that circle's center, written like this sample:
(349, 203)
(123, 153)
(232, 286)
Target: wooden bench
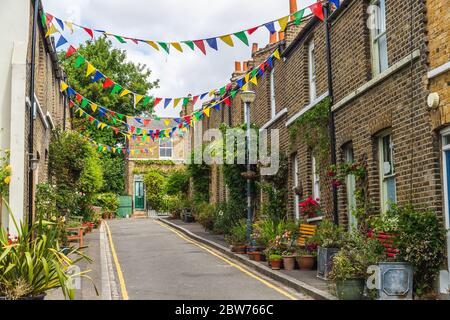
(387, 240)
(76, 234)
(306, 231)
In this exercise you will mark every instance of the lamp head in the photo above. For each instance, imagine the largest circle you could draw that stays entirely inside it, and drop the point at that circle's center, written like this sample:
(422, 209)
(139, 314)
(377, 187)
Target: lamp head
(248, 96)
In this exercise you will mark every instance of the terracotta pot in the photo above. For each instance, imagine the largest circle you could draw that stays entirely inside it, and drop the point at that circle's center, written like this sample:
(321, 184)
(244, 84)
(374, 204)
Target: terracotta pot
(306, 263)
(276, 265)
(289, 263)
(251, 255)
(240, 249)
(257, 256)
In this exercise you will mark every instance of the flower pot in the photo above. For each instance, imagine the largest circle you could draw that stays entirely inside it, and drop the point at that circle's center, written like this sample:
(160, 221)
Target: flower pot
(276, 265)
(306, 263)
(240, 249)
(289, 263)
(257, 256)
(395, 281)
(352, 289)
(325, 261)
(251, 255)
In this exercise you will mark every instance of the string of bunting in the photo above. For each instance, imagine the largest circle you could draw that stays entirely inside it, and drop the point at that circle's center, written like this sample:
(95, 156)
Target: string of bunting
(240, 83)
(116, 89)
(200, 44)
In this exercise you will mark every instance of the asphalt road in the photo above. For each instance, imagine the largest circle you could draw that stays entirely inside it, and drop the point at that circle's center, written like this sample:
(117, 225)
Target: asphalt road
(158, 264)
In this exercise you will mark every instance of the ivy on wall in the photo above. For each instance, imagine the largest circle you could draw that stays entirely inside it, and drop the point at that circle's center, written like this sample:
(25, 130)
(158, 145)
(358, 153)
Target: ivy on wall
(201, 178)
(143, 166)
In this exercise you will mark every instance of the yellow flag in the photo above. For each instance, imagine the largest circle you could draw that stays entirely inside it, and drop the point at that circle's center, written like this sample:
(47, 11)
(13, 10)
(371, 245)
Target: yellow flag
(245, 87)
(99, 125)
(90, 69)
(207, 111)
(105, 149)
(51, 30)
(132, 152)
(114, 150)
(125, 92)
(177, 46)
(138, 98)
(103, 125)
(94, 107)
(153, 44)
(254, 80)
(167, 122)
(167, 133)
(64, 86)
(228, 40)
(247, 77)
(283, 23)
(69, 25)
(176, 102)
(212, 92)
(276, 54)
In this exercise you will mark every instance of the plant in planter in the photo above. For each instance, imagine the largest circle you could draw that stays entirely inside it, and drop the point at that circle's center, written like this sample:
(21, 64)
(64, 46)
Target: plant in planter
(329, 238)
(310, 208)
(350, 265)
(238, 238)
(287, 242)
(275, 261)
(306, 257)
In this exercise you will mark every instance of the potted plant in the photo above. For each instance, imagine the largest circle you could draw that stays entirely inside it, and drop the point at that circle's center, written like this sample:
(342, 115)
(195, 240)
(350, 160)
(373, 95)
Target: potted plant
(329, 238)
(238, 238)
(350, 265)
(310, 208)
(275, 261)
(287, 243)
(307, 257)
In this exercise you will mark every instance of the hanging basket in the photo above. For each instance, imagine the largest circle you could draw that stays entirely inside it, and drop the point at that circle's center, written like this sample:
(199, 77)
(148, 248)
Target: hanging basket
(251, 175)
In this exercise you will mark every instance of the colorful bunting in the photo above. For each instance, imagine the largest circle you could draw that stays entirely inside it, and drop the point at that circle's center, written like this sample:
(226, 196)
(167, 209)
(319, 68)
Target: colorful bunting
(201, 45)
(70, 51)
(228, 40)
(317, 10)
(51, 31)
(242, 36)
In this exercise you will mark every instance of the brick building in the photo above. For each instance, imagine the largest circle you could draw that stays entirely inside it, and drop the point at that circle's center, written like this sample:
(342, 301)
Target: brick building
(50, 109)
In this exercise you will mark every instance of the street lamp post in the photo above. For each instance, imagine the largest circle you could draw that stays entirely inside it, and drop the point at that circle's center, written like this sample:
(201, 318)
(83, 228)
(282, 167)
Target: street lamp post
(248, 97)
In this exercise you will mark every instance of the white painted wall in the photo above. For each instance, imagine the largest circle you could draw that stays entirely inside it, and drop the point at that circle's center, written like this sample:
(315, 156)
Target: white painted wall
(14, 35)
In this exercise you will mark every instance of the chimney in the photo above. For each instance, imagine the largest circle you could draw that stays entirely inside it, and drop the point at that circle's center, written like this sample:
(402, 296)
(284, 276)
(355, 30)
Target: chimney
(245, 67)
(281, 36)
(293, 6)
(273, 38)
(254, 48)
(237, 66)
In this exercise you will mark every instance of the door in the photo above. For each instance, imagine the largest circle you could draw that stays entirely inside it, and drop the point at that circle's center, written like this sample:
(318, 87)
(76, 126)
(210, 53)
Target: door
(139, 196)
(446, 181)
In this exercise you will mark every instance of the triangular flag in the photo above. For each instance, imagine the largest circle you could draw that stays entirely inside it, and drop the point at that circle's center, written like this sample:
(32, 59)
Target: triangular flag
(89, 31)
(167, 102)
(70, 51)
(146, 101)
(125, 92)
(97, 76)
(212, 42)
(227, 101)
(69, 25)
(116, 89)
(245, 87)
(60, 23)
(153, 44)
(254, 80)
(185, 101)
(271, 27)
(90, 69)
(276, 54)
(242, 36)
(228, 40)
(80, 61)
(64, 86)
(176, 102)
(177, 46)
(194, 100)
(61, 41)
(94, 107)
(298, 16)
(51, 31)
(157, 101)
(108, 83)
(138, 98)
(336, 3)
(201, 45)
(167, 122)
(190, 44)
(317, 10)
(84, 103)
(120, 39)
(252, 30)
(283, 23)
(164, 46)
(207, 111)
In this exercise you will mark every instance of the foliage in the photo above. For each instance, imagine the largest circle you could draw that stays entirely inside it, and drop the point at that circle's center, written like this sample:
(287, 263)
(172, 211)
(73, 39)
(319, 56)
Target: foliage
(312, 128)
(227, 215)
(154, 163)
(46, 197)
(356, 255)
(422, 242)
(200, 174)
(238, 234)
(113, 63)
(75, 171)
(204, 214)
(328, 235)
(178, 182)
(155, 189)
(265, 231)
(175, 204)
(310, 208)
(275, 257)
(33, 263)
(109, 202)
(5, 174)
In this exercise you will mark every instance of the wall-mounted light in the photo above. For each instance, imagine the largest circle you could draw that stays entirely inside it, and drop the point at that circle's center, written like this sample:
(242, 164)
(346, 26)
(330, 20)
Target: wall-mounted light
(34, 161)
(433, 100)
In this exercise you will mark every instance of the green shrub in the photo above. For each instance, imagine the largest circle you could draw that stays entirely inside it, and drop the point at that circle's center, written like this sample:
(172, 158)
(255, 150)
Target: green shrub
(46, 198)
(204, 214)
(275, 257)
(178, 182)
(109, 202)
(238, 234)
(155, 190)
(228, 215)
(328, 235)
(201, 178)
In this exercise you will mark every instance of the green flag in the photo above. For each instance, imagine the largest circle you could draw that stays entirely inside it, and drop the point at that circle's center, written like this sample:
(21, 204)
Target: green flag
(242, 36)
(116, 89)
(299, 16)
(80, 61)
(190, 44)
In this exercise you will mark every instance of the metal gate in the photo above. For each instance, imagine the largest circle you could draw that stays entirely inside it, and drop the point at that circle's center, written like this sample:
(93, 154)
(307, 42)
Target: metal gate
(125, 206)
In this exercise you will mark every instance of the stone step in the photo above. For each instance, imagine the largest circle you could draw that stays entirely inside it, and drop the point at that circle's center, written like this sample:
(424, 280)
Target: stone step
(139, 215)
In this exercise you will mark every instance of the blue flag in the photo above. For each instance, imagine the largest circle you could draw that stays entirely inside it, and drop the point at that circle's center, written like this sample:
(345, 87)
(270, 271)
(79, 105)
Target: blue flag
(336, 3)
(61, 41)
(212, 43)
(167, 102)
(97, 76)
(271, 27)
(61, 24)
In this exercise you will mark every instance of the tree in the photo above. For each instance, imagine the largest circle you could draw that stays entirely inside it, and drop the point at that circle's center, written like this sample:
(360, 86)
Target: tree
(135, 77)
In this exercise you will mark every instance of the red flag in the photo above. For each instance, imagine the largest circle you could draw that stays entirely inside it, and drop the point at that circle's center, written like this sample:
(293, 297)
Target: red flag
(180, 126)
(195, 99)
(79, 97)
(317, 10)
(70, 51)
(108, 83)
(227, 101)
(201, 45)
(48, 18)
(112, 113)
(188, 119)
(71, 104)
(132, 129)
(91, 119)
(262, 67)
(89, 31)
(157, 101)
(146, 122)
(252, 30)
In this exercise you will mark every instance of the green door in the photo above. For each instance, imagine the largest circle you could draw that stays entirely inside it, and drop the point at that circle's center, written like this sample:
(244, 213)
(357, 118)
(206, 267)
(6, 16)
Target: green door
(139, 197)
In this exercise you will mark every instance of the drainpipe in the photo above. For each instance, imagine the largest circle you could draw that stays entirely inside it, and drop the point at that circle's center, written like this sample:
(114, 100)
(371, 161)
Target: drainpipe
(32, 112)
(326, 11)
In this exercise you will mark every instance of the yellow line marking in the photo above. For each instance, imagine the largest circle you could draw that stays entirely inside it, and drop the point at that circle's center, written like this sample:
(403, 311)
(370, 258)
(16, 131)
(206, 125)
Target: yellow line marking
(123, 287)
(216, 254)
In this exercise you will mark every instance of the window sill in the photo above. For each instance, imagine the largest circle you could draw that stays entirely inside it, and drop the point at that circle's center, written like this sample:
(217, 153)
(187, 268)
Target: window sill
(306, 109)
(314, 219)
(274, 119)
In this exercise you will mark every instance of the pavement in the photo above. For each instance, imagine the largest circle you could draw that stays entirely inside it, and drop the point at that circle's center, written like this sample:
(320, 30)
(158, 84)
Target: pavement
(159, 263)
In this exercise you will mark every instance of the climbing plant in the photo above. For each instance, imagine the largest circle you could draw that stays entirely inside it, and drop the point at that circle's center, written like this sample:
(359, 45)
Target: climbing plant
(201, 177)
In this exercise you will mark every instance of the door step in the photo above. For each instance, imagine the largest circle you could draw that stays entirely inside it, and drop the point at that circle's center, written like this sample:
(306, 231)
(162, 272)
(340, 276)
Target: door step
(139, 215)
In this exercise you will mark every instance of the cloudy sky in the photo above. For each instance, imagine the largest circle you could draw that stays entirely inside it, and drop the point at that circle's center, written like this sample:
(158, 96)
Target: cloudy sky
(177, 20)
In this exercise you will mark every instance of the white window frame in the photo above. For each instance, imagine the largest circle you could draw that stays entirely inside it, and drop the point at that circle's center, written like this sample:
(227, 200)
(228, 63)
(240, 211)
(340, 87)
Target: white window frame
(383, 176)
(350, 188)
(378, 31)
(273, 108)
(446, 147)
(295, 172)
(316, 178)
(161, 148)
(312, 72)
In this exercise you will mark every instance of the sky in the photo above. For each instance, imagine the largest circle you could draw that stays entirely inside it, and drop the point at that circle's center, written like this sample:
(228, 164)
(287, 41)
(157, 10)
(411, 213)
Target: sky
(185, 73)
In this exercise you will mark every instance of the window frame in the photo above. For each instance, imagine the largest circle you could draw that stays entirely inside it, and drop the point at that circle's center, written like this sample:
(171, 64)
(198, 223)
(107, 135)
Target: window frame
(296, 183)
(376, 33)
(312, 72)
(384, 177)
(315, 178)
(349, 158)
(165, 149)
(273, 107)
